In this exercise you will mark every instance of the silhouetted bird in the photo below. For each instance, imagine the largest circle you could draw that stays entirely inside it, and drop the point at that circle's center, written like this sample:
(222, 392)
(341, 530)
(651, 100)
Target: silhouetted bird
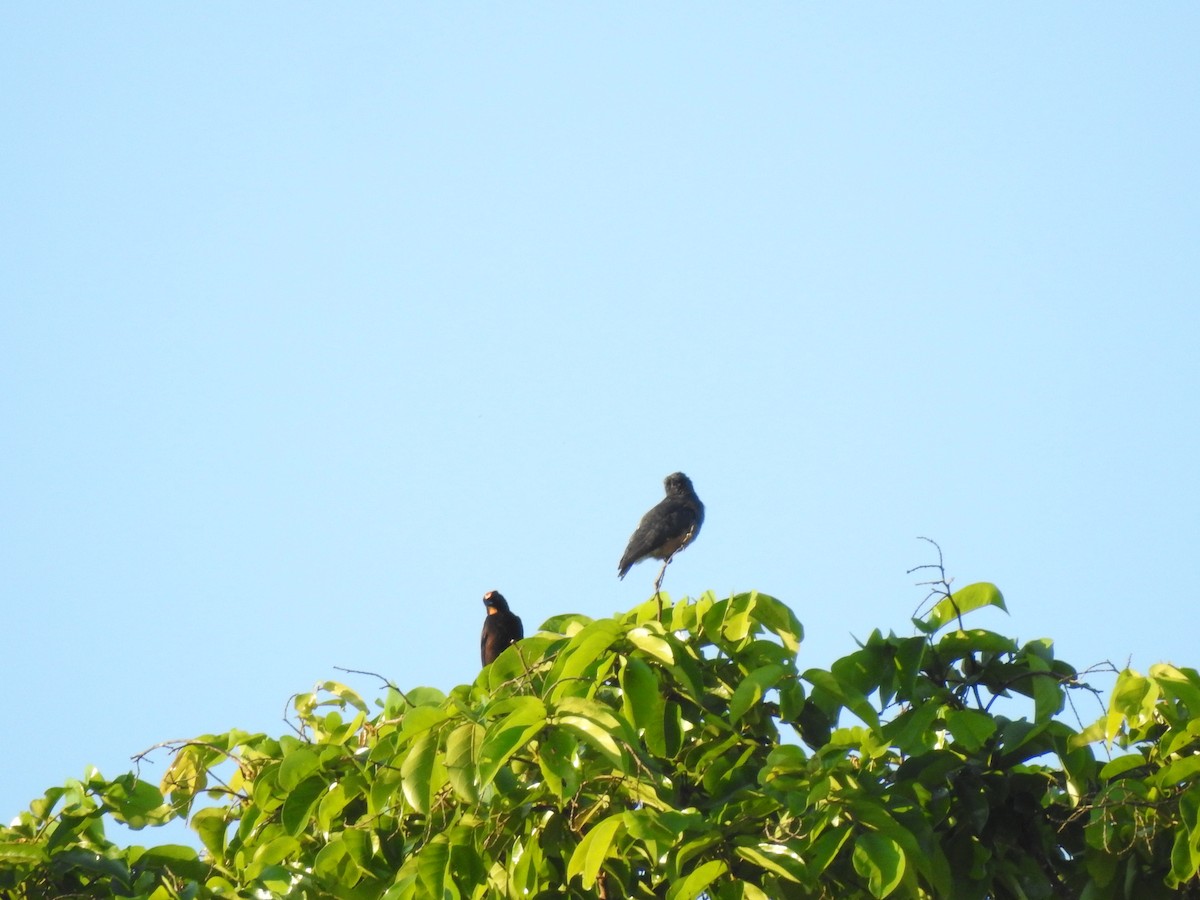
(667, 528)
(500, 628)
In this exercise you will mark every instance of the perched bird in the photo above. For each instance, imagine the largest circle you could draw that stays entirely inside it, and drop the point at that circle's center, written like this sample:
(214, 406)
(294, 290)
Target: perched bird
(500, 628)
(666, 529)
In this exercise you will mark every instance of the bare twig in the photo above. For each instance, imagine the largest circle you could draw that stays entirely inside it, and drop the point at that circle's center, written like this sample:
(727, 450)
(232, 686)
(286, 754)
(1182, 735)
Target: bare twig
(940, 587)
(385, 681)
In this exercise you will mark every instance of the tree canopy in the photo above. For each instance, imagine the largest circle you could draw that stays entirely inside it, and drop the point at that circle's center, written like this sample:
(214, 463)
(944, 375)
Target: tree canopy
(682, 758)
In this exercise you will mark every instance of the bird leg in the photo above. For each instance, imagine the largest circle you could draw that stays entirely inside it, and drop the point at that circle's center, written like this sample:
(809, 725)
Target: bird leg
(658, 585)
(663, 571)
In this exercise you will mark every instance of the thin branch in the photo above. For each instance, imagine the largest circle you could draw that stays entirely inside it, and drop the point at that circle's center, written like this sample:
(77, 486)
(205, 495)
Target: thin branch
(940, 586)
(288, 722)
(385, 681)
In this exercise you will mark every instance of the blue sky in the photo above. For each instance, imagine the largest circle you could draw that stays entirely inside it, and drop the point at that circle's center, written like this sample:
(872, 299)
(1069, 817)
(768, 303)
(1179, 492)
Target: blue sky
(319, 322)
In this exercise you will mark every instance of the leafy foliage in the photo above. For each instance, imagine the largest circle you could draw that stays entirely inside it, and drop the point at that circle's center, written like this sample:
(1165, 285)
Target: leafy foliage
(627, 757)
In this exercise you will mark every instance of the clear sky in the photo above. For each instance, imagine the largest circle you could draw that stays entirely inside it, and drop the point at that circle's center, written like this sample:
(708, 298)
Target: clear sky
(321, 320)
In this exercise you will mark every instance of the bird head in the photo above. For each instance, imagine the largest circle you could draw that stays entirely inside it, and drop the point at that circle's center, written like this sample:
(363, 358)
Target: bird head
(495, 602)
(678, 483)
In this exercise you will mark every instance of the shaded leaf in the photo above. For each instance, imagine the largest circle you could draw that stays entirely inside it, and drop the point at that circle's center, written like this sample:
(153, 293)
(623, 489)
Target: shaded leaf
(880, 860)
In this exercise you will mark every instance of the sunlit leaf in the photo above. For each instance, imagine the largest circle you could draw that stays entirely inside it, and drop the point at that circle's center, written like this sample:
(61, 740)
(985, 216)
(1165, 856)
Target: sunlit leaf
(432, 861)
(593, 723)
(584, 649)
(880, 860)
(776, 858)
(970, 728)
(963, 601)
(13, 853)
(912, 731)
(462, 759)
(845, 696)
(752, 688)
(779, 619)
(297, 766)
(651, 644)
(590, 853)
(697, 880)
(210, 824)
(643, 703)
(345, 694)
(525, 718)
(416, 773)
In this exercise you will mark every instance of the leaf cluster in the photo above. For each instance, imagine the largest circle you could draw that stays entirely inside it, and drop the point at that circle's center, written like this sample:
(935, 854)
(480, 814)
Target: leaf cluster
(632, 757)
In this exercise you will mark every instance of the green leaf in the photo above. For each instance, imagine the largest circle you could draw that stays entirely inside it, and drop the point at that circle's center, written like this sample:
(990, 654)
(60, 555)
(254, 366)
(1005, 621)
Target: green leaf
(776, 858)
(651, 644)
(584, 649)
(425, 696)
(954, 645)
(1176, 772)
(178, 860)
(556, 757)
(697, 880)
(334, 864)
(844, 695)
(514, 662)
(272, 852)
(825, 849)
(968, 599)
(752, 688)
(344, 694)
(423, 718)
(1182, 866)
(1120, 765)
(432, 861)
(299, 803)
(1133, 700)
(14, 853)
(1021, 735)
(779, 619)
(1182, 685)
(136, 803)
(729, 620)
(643, 704)
(861, 671)
(334, 800)
(211, 825)
(505, 736)
(416, 773)
(462, 759)
(569, 624)
(297, 766)
(77, 859)
(970, 728)
(591, 852)
(594, 723)
(358, 844)
(912, 731)
(880, 860)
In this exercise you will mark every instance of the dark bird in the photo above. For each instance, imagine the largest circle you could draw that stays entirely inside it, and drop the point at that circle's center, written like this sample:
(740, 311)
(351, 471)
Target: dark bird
(666, 529)
(500, 628)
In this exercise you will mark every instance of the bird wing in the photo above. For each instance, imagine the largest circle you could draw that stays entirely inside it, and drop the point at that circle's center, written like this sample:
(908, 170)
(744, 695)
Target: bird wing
(499, 630)
(670, 519)
(483, 640)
